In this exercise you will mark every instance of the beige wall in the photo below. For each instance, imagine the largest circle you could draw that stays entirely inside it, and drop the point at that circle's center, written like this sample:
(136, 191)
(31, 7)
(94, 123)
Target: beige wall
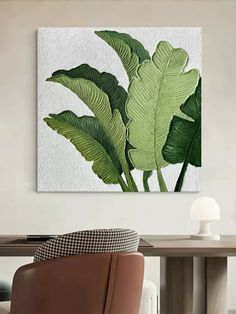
(22, 210)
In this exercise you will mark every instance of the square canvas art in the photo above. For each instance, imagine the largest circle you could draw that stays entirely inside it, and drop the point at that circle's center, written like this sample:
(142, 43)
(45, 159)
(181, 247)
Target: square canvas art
(119, 109)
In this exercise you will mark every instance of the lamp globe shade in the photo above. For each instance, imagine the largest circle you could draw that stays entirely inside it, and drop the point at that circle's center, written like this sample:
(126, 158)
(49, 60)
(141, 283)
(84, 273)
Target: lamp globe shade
(205, 208)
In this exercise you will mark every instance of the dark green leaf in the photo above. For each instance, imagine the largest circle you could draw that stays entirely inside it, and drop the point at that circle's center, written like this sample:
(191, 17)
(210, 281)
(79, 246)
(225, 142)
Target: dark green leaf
(81, 80)
(184, 138)
(105, 81)
(183, 142)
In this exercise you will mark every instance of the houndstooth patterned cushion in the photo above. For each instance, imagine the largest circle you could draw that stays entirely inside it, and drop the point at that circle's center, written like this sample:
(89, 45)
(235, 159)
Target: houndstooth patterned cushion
(89, 241)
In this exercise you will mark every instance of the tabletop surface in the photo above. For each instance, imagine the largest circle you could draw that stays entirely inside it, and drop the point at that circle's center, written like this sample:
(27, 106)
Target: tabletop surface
(183, 245)
(155, 245)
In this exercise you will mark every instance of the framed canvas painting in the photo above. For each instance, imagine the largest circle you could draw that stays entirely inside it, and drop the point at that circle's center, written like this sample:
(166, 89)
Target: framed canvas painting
(119, 109)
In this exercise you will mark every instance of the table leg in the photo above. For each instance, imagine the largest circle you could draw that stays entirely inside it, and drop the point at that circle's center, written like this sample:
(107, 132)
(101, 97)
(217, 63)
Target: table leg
(176, 285)
(193, 285)
(216, 285)
(199, 285)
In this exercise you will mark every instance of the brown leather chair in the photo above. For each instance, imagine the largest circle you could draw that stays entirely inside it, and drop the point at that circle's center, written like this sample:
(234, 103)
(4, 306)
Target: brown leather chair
(80, 284)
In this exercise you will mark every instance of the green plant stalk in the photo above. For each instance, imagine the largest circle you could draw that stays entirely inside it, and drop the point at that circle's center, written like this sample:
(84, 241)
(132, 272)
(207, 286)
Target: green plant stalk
(145, 185)
(123, 185)
(130, 180)
(180, 180)
(161, 181)
(146, 176)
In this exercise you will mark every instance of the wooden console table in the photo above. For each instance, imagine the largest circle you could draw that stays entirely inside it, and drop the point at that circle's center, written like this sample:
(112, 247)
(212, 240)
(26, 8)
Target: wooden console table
(193, 273)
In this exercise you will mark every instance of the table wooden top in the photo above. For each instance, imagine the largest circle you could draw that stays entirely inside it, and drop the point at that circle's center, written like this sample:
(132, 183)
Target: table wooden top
(17, 245)
(156, 245)
(183, 245)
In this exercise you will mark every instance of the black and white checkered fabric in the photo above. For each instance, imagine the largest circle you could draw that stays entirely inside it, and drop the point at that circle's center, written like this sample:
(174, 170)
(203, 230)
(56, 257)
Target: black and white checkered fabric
(89, 241)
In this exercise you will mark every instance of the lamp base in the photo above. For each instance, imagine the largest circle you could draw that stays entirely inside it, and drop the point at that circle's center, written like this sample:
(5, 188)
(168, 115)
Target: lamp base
(205, 237)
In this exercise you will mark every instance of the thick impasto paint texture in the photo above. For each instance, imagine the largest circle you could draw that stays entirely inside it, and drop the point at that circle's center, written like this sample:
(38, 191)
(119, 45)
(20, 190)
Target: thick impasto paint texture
(151, 124)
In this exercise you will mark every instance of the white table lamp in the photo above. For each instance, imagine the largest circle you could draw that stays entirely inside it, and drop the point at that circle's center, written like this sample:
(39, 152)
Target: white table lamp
(205, 210)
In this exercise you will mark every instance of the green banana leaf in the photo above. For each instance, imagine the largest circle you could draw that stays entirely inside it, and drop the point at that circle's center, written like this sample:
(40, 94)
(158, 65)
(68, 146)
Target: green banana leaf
(154, 97)
(111, 122)
(183, 142)
(105, 81)
(108, 83)
(98, 103)
(131, 51)
(86, 134)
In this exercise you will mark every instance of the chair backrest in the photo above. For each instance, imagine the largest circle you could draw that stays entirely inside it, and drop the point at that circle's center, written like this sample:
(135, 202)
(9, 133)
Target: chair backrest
(82, 284)
(117, 240)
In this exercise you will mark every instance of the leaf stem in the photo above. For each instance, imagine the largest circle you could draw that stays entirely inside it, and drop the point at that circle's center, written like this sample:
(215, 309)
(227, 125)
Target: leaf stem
(146, 176)
(180, 180)
(130, 180)
(145, 184)
(161, 181)
(123, 185)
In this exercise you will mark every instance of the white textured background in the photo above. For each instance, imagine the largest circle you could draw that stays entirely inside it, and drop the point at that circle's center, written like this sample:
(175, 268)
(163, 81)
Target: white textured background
(60, 166)
(22, 210)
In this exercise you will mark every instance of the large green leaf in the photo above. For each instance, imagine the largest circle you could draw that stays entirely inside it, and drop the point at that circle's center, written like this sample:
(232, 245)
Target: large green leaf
(131, 51)
(105, 81)
(154, 97)
(86, 134)
(98, 102)
(183, 142)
